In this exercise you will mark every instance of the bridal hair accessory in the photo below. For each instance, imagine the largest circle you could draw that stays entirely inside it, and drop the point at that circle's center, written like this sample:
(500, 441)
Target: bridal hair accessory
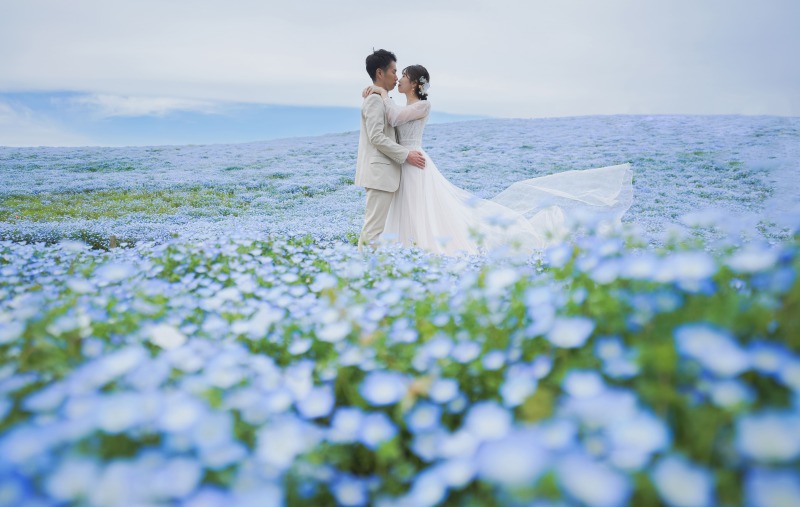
(425, 84)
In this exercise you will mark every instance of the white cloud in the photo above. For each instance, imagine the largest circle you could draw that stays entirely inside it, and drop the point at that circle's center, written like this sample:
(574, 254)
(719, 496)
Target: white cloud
(20, 126)
(506, 58)
(107, 106)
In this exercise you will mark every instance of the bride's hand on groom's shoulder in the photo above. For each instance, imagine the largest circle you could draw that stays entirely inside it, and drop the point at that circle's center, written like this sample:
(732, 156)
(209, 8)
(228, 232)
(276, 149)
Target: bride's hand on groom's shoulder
(369, 90)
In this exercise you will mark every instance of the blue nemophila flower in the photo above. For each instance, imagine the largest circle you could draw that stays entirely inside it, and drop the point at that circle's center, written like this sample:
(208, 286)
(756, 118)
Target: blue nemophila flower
(10, 332)
(466, 351)
(121, 412)
(731, 393)
(424, 416)
(520, 382)
(606, 271)
(556, 434)
(686, 267)
(767, 357)
(428, 489)
(317, 403)
(334, 331)
(459, 444)
(299, 346)
(714, 348)
(537, 296)
(426, 444)
(350, 491)
(443, 390)
(5, 407)
(214, 430)
(403, 331)
(285, 437)
(346, 425)
(457, 473)
(24, 443)
(753, 258)
(263, 320)
(570, 332)
(769, 436)
(176, 478)
(166, 336)
(772, 488)
(118, 485)
(592, 483)
(458, 405)
(71, 481)
(639, 265)
(384, 387)
(438, 347)
(180, 412)
(375, 429)
(352, 355)
(498, 280)
(583, 383)
(558, 255)
(516, 460)
(114, 272)
(789, 374)
(487, 420)
(618, 362)
(633, 441)
(541, 366)
(493, 360)
(224, 455)
(323, 281)
(298, 378)
(682, 484)
(610, 406)
(46, 399)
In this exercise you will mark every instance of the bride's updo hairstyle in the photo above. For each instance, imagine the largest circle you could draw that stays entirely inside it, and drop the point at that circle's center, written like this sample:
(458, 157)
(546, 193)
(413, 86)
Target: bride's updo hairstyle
(419, 75)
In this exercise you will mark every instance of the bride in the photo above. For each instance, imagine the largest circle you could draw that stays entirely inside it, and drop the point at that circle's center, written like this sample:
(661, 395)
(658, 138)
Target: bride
(430, 212)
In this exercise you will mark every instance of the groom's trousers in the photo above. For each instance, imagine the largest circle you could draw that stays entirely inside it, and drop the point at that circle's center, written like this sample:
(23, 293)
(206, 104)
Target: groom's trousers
(375, 213)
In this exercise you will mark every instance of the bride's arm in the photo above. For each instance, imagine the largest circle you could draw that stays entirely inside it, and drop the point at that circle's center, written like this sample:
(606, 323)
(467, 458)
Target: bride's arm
(369, 90)
(398, 115)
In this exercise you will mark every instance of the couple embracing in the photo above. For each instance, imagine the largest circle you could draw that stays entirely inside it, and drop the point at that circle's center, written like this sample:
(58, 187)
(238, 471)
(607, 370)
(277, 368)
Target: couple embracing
(410, 202)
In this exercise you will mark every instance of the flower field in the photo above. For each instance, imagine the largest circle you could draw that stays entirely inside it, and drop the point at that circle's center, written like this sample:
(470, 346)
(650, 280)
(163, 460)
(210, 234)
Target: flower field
(658, 365)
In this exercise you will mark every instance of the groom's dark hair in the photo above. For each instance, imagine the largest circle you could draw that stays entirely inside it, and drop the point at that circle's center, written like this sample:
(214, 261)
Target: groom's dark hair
(380, 59)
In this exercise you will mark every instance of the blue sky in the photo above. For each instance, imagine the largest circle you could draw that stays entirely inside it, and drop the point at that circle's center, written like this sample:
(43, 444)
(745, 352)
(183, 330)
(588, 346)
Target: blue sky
(97, 72)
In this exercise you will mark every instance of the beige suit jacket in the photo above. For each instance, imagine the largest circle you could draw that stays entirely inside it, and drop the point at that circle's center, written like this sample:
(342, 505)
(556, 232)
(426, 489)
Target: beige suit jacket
(379, 156)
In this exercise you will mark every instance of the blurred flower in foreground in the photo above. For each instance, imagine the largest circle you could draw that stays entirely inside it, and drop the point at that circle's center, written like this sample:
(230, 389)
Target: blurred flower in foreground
(570, 332)
(769, 436)
(592, 482)
(714, 348)
(376, 428)
(487, 420)
(682, 484)
(517, 459)
(772, 488)
(384, 388)
(166, 336)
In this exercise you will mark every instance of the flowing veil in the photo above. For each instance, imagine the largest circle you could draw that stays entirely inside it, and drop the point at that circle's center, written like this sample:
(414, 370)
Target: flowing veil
(534, 213)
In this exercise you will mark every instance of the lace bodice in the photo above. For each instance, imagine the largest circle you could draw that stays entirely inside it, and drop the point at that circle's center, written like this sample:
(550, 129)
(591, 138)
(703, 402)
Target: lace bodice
(409, 121)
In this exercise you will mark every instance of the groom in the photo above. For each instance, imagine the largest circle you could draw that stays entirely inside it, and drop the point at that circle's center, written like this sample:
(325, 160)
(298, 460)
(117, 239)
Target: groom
(380, 158)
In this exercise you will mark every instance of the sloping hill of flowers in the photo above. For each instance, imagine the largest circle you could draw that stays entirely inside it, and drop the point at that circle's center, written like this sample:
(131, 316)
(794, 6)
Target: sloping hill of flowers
(743, 168)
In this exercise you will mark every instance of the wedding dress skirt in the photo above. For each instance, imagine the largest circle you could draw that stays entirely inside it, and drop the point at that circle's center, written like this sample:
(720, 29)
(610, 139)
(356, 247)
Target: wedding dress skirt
(430, 212)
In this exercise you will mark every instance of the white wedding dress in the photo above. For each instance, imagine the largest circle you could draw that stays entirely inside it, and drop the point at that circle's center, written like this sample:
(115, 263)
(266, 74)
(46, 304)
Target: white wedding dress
(430, 212)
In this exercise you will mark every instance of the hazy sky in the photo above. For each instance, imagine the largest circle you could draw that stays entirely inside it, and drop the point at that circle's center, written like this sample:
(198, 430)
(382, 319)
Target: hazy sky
(525, 58)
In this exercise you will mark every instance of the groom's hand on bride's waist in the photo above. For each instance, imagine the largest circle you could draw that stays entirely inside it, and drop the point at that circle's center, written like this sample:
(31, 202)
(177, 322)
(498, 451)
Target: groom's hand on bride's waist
(416, 158)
